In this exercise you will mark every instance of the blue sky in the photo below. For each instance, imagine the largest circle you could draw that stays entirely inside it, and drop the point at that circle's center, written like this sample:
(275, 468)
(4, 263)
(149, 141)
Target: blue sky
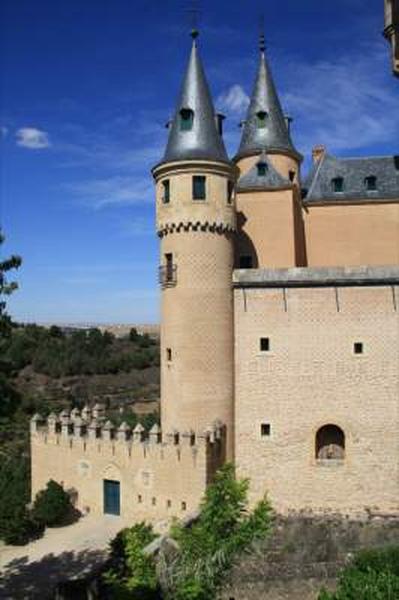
(86, 89)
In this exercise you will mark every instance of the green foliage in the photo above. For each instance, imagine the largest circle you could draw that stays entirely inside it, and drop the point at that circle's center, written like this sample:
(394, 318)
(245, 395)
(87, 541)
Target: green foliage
(372, 575)
(132, 573)
(224, 529)
(17, 526)
(52, 505)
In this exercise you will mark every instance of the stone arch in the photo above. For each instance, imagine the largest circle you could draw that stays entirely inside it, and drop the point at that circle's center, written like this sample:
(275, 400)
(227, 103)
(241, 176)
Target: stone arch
(330, 442)
(111, 471)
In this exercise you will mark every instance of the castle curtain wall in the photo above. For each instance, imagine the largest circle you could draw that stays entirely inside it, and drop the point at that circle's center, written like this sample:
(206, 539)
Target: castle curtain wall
(311, 377)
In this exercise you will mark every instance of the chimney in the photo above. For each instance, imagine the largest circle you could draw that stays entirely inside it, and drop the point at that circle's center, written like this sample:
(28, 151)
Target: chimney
(318, 153)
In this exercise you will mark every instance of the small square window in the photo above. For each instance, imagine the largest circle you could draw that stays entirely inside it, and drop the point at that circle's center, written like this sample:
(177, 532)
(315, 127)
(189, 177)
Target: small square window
(337, 184)
(265, 429)
(245, 262)
(169, 354)
(371, 183)
(264, 344)
(358, 348)
(262, 169)
(166, 191)
(199, 189)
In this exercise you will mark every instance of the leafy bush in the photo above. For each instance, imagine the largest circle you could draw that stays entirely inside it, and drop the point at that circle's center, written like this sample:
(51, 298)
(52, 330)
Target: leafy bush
(52, 505)
(224, 529)
(372, 575)
(132, 573)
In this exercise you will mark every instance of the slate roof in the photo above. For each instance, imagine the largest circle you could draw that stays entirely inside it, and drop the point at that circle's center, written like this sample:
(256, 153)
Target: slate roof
(271, 180)
(275, 136)
(354, 171)
(203, 141)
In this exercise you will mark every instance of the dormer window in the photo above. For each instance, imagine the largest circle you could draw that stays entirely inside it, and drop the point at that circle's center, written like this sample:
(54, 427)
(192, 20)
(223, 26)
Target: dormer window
(262, 169)
(371, 183)
(186, 119)
(261, 118)
(337, 184)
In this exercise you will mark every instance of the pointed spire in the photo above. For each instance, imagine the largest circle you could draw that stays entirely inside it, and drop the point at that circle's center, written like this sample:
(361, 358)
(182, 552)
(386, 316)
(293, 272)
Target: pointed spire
(265, 127)
(193, 130)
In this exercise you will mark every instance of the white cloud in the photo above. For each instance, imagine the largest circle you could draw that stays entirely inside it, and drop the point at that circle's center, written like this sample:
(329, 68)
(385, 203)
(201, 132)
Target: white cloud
(234, 100)
(3, 132)
(119, 189)
(347, 104)
(30, 137)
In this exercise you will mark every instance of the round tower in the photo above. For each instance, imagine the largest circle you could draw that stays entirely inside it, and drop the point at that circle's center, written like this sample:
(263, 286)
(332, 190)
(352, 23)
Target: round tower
(195, 223)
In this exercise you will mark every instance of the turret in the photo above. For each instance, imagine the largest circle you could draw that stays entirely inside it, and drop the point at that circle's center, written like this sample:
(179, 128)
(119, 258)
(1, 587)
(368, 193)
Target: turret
(195, 223)
(270, 227)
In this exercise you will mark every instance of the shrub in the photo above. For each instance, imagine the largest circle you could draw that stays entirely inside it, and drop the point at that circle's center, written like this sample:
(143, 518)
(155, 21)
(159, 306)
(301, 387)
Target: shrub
(372, 575)
(52, 505)
(224, 529)
(132, 573)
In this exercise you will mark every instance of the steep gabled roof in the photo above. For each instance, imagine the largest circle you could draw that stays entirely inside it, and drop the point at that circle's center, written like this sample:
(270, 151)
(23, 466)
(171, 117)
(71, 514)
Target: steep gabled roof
(274, 136)
(203, 140)
(354, 172)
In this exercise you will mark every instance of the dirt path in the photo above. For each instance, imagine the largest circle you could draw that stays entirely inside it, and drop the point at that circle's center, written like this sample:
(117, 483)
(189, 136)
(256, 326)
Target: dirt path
(32, 571)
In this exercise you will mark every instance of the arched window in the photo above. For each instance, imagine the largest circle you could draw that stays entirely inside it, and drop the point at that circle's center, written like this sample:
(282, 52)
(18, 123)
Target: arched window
(186, 119)
(261, 118)
(337, 184)
(371, 183)
(330, 443)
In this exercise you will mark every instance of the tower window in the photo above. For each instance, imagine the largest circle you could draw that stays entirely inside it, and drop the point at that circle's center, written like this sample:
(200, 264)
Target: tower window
(264, 344)
(166, 191)
(262, 169)
(186, 119)
(169, 354)
(265, 429)
(169, 267)
(337, 184)
(371, 183)
(292, 175)
(245, 262)
(261, 118)
(199, 191)
(230, 190)
(358, 348)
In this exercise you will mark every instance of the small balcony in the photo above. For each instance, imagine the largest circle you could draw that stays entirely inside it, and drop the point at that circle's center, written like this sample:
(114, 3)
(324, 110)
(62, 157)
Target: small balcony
(167, 275)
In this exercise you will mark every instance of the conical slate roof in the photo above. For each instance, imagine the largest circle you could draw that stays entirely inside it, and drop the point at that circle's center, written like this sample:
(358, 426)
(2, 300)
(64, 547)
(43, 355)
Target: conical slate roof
(203, 140)
(274, 135)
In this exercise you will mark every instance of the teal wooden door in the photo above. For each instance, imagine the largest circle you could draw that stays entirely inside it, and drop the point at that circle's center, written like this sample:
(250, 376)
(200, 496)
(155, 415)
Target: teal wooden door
(112, 497)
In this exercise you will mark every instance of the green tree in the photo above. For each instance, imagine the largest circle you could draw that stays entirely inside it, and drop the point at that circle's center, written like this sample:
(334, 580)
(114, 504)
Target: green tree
(52, 505)
(132, 573)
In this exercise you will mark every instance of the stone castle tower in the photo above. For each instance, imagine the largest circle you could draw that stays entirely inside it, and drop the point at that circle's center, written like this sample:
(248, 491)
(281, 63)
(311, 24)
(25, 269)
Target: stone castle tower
(195, 223)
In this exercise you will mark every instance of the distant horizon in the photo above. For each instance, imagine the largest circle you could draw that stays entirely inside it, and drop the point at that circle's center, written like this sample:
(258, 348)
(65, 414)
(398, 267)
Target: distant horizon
(87, 91)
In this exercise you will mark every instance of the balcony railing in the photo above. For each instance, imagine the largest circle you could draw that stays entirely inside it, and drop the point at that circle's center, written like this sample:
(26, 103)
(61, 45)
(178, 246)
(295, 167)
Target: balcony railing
(167, 275)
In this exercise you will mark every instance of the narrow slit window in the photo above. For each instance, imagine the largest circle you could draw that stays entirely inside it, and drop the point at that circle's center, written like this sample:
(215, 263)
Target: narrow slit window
(169, 266)
(264, 344)
(265, 429)
(186, 119)
(371, 183)
(169, 354)
(184, 506)
(154, 501)
(139, 498)
(166, 191)
(358, 348)
(199, 187)
(230, 191)
(292, 175)
(168, 503)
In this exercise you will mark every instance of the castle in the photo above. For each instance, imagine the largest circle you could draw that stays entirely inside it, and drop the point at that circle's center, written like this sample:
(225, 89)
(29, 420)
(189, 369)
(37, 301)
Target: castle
(279, 328)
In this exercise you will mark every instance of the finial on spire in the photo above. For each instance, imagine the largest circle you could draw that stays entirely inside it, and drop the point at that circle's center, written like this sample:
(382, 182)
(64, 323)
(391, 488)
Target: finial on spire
(262, 42)
(194, 33)
(194, 18)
